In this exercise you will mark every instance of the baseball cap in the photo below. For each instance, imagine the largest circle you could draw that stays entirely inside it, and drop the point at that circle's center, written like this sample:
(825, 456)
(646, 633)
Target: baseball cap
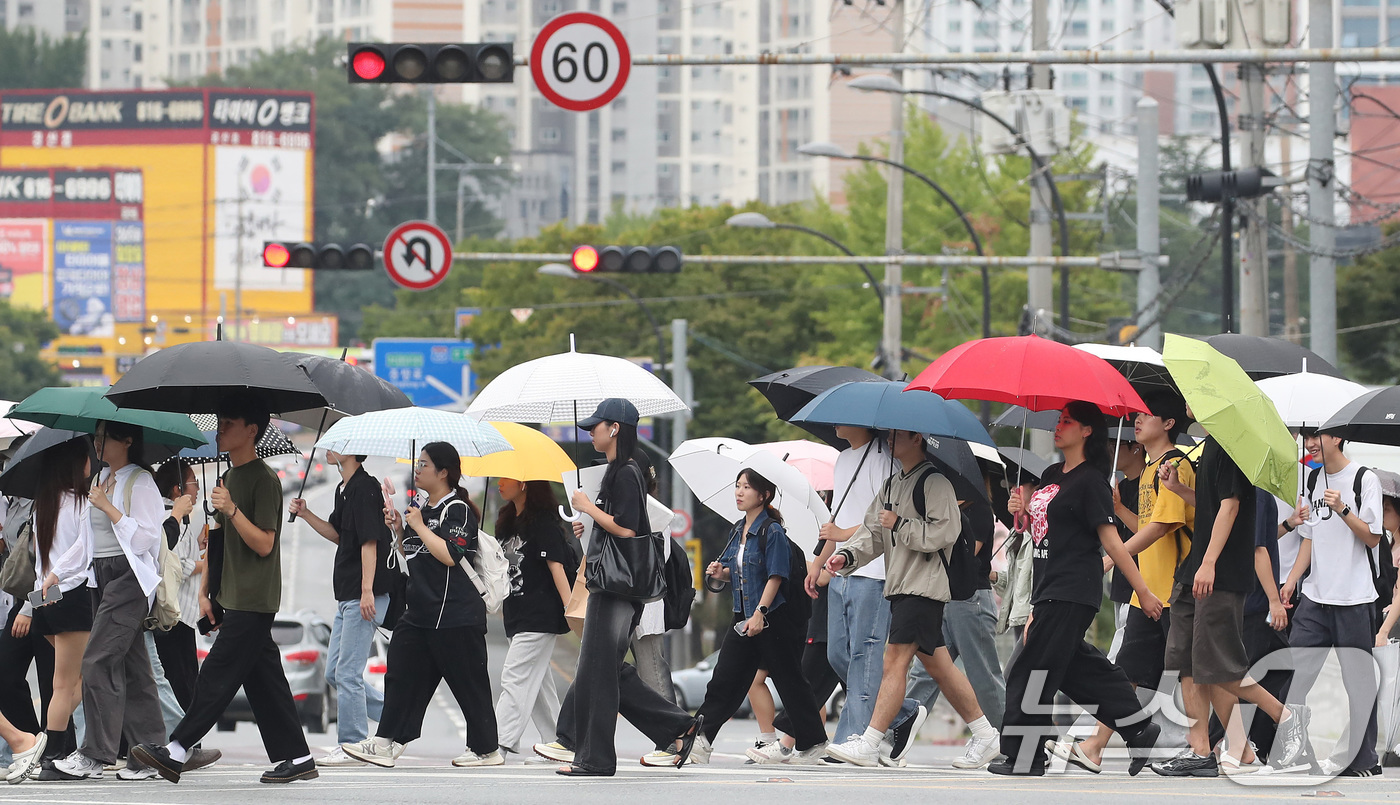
(613, 409)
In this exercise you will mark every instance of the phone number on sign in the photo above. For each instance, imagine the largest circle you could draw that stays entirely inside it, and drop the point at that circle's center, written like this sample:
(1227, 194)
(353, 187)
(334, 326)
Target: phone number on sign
(298, 140)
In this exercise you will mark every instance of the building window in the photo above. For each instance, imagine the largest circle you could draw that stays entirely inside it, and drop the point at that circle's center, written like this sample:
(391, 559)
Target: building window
(1078, 28)
(549, 134)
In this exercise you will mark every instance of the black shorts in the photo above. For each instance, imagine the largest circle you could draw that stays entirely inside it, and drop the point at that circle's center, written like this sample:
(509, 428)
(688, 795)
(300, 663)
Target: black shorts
(71, 613)
(1143, 653)
(918, 621)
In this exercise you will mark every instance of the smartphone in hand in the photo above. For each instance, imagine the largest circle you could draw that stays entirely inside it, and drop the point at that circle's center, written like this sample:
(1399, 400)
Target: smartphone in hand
(38, 599)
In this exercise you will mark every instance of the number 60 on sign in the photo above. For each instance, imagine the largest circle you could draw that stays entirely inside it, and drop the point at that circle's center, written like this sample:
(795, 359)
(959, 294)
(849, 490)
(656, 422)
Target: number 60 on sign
(580, 61)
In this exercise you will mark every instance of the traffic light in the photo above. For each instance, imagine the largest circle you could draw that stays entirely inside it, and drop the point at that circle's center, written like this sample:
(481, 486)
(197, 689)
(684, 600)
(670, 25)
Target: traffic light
(429, 63)
(318, 256)
(627, 259)
(1214, 186)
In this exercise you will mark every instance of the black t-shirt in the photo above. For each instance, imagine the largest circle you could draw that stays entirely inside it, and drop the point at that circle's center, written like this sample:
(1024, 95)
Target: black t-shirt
(1218, 478)
(441, 596)
(533, 604)
(358, 518)
(979, 514)
(1266, 537)
(1119, 590)
(1066, 512)
(624, 499)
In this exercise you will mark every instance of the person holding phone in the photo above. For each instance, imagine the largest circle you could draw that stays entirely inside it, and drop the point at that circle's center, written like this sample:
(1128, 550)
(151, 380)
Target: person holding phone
(62, 607)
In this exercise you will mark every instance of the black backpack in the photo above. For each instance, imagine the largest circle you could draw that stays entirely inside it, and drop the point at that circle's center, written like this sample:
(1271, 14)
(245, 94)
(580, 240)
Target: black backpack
(680, 587)
(960, 558)
(794, 589)
(1382, 577)
(1157, 489)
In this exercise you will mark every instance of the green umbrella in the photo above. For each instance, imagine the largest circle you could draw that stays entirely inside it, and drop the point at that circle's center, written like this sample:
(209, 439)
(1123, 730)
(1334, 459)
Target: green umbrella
(1236, 413)
(81, 409)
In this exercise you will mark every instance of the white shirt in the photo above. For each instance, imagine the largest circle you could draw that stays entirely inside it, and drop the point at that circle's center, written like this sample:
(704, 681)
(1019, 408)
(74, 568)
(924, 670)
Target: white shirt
(139, 531)
(864, 487)
(70, 554)
(653, 620)
(1289, 543)
(1339, 573)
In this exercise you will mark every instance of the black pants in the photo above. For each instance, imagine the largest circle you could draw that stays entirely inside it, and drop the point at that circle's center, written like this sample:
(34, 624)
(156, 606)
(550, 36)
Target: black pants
(606, 687)
(245, 655)
(1055, 657)
(1260, 640)
(176, 651)
(820, 676)
(419, 659)
(16, 699)
(778, 648)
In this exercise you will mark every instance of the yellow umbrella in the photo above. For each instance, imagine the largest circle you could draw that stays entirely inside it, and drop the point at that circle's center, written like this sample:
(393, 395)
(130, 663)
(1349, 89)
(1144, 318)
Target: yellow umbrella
(533, 457)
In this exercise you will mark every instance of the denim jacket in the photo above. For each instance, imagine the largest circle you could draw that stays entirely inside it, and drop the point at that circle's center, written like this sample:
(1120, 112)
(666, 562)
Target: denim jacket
(759, 566)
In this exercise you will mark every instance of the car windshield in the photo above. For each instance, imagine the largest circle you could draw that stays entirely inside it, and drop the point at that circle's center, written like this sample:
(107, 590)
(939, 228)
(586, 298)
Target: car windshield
(287, 633)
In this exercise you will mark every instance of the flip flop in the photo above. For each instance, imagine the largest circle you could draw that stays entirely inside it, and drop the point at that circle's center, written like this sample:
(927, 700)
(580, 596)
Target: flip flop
(687, 740)
(1071, 752)
(579, 771)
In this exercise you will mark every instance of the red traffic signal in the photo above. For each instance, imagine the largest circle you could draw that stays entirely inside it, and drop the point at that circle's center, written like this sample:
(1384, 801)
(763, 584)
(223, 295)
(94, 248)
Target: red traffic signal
(318, 256)
(431, 63)
(585, 259)
(628, 259)
(276, 255)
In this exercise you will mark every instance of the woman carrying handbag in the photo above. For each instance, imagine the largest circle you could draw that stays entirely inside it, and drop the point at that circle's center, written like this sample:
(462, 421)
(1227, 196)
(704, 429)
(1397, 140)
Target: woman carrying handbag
(623, 566)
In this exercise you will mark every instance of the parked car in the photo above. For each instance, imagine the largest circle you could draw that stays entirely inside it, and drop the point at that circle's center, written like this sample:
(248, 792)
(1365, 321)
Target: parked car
(690, 685)
(303, 639)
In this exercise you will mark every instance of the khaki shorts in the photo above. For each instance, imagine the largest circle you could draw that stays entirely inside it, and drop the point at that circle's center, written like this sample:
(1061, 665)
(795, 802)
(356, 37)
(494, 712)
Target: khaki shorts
(1206, 638)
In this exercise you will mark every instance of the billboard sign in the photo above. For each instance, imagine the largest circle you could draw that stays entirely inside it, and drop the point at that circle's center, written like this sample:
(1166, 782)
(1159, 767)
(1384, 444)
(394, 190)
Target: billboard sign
(82, 277)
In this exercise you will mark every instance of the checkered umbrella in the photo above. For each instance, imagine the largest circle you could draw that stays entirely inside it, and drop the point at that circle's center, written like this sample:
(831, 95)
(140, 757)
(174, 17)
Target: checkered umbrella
(273, 443)
(401, 432)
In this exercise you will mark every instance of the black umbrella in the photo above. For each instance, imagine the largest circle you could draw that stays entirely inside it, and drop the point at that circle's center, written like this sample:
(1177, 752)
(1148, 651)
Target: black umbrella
(1262, 357)
(791, 389)
(1373, 418)
(349, 390)
(954, 459)
(22, 473)
(1014, 416)
(1023, 462)
(194, 378)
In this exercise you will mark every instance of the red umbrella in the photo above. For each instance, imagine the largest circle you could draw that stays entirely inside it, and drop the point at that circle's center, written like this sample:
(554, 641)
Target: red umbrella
(1030, 371)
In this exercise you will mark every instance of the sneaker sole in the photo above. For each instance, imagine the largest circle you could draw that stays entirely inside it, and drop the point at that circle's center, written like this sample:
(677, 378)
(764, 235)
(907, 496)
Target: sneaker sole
(557, 758)
(844, 758)
(147, 759)
(477, 764)
(309, 774)
(670, 765)
(762, 760)
(381, 762)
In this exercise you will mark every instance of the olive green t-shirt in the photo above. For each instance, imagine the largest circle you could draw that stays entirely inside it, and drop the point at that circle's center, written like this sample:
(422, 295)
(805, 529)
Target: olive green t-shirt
(252, 583)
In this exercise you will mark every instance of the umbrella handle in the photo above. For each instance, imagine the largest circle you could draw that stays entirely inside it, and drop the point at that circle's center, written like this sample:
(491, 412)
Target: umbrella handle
(573, 517)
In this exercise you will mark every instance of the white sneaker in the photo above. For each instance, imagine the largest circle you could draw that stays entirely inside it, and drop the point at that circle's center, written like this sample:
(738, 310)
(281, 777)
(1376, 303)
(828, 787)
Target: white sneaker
(470, 758)
(78, 766)
(700, 751)
(980, 751)
(337, 757)
(772, 752)
(1330, 767)
(808, 757)
(856, 751)
(661, 758)
(555, 751)
(144, 773)
(371, 751)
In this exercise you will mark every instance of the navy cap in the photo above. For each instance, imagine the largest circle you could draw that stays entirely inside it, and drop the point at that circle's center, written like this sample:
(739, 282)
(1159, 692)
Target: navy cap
(613, 409)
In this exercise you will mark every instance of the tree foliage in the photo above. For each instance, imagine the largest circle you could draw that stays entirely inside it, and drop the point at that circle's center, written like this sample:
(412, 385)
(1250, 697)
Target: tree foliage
(24, 332)
(31, 60)
(1367, 292)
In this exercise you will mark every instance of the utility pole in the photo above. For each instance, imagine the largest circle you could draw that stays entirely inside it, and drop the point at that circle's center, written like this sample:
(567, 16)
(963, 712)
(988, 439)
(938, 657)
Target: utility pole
(238, 276)
(681, 499)
(1149, 238)
(1254, 256)
(1039, 293)
(432, 156)
(892, 344)
(1322, 267)
(1291, 330)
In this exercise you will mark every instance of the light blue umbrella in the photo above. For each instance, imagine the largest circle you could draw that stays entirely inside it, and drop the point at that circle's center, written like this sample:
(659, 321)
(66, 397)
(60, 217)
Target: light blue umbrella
(887, 406)
(401, 432)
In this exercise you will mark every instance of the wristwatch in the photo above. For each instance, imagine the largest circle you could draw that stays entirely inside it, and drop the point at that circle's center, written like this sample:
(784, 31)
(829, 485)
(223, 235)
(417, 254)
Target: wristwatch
(1346, 510)
(763, 609)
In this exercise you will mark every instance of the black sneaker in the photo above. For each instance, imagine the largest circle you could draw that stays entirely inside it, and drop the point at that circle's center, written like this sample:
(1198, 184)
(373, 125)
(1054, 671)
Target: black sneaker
(1006, 767)
(1140, 748)
(287, 772)
(904, 732)
(1391, 760)
(158, 758)
(1293, 738)
(1374, 771)
(1188, 764)
(47, 773)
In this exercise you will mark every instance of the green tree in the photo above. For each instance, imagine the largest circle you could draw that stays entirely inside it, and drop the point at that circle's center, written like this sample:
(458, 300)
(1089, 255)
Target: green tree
(31, 60)
(22, 370)
(1367, 293)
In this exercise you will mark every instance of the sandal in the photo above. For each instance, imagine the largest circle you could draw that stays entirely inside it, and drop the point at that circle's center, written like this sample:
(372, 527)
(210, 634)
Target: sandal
(687, 740)
(579, 771)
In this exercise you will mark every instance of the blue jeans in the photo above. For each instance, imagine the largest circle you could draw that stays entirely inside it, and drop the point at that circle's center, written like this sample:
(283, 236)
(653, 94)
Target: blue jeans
(170, 710)
(968, 629)
(351, 636)
(858, 623)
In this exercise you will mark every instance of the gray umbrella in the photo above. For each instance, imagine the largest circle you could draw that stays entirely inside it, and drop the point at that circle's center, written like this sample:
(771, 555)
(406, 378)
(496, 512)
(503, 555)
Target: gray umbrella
(349, 389)
(21, 475)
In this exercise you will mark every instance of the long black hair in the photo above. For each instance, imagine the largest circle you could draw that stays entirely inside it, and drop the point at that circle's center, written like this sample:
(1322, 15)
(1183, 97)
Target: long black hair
(766, 489)
(1096, 444)
(136, 454)
(540, 507)
(61, 473)
(444, 457)
(626, 446)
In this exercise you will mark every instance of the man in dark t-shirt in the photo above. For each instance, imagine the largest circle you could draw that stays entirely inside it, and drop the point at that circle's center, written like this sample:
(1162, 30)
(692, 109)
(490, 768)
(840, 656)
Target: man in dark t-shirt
(361, 580)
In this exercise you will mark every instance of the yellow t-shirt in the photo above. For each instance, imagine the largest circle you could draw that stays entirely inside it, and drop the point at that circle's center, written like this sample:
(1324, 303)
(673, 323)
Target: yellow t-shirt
(1158, 505)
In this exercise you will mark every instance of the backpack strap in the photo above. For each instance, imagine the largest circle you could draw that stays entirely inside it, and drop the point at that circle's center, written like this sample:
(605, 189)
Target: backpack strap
(129, 487)
(1312, 481)
(920, 503)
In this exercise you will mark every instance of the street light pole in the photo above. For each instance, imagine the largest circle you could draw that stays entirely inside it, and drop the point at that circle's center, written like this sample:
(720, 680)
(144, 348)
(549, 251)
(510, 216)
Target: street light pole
(561, 270)
(757, 220)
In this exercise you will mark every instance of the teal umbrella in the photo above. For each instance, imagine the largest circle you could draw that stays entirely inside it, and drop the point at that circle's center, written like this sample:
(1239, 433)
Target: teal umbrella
(81, 409)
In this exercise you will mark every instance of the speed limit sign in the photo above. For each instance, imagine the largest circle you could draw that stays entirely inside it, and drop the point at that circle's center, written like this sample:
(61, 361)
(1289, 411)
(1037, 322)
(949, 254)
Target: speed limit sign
(580, 61)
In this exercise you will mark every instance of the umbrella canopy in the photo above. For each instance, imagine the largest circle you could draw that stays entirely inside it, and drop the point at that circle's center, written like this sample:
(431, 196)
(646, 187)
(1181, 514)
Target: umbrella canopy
(1234, 411)
(21, 475)
(82, 409)
(954, 458)
(1262, 357)
(1021, 461)
(1374, 418)
(709, 467)
(273, 443)
(1016, 416)
(560, 388)
(789, 390)
(1141, 365)
(194, 378)
(533, 457)
(887, 406)
(1307, 399)
(13, 429)
(816, 462)
(1030, 371)
(349, 389)
(401, 432)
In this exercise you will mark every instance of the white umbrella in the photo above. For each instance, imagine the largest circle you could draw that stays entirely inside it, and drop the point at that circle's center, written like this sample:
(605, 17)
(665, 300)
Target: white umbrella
(402, 432)
(710, 466)
(11, 429)
(591, 479)
(1307, 399)
(1142, 366)
(560, 388)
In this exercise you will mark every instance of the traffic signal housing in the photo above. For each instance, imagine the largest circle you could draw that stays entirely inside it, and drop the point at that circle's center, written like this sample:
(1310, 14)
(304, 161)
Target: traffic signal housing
(318, 256)
(627, 259)
(431, 63)
(1215, 186)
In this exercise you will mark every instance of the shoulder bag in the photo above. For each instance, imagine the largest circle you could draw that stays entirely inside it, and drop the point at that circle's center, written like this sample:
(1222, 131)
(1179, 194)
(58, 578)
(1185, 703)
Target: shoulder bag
(633, 568)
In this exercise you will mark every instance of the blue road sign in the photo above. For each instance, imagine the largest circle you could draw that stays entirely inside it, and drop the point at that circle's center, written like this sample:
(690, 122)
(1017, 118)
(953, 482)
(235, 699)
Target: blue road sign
(431, 371)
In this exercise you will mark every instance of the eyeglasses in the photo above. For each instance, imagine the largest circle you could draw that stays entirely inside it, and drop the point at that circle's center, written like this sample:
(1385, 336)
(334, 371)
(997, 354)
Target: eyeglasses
(423, 464)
